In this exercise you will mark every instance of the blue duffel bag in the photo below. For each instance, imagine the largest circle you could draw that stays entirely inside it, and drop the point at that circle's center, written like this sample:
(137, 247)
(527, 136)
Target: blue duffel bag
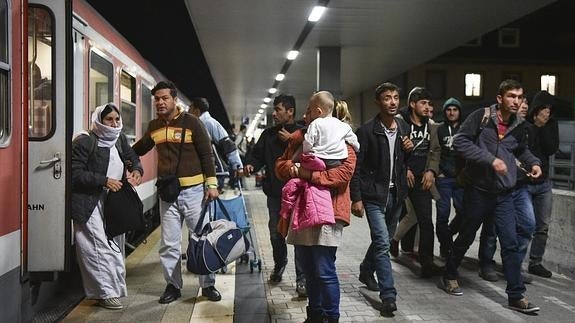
(218, 243)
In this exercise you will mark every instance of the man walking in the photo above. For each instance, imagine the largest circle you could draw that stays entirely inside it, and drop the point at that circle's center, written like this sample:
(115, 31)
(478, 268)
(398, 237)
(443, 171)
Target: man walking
(381, 164)
(195, 170)
(271, 145)
(490, 146)
(446, 180)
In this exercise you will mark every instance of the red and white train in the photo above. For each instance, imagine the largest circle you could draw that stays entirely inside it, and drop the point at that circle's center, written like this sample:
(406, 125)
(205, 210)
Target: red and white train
(58, 61)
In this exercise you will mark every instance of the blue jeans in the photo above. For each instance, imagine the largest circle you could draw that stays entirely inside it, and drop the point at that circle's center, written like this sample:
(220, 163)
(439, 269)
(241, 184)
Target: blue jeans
(382, 220)
(542, 198)
(525, 227)
(448, 189)
(279, 247)
(479, 205)
(322, 284)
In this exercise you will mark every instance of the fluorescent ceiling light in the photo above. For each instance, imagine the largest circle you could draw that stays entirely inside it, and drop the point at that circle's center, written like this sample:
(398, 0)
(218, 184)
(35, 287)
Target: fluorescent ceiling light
(280, 77)
(272, 90)
(263, 106)
(267, 100)
(261, 110)
(292, 54)
(316, 13)
(258, 115)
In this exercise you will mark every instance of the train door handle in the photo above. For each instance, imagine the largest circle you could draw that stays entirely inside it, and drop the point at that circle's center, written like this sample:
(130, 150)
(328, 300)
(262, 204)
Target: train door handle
(57, 162)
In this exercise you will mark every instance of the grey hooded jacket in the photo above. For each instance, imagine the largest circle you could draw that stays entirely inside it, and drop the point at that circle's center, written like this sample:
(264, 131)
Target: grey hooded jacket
(480, 147)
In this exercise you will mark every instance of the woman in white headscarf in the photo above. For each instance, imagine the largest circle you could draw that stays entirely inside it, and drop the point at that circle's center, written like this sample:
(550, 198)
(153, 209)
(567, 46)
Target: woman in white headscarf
(98, 160)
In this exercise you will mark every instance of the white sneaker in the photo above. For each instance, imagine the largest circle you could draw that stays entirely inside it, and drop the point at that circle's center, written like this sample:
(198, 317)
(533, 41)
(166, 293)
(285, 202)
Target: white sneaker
(111, 303)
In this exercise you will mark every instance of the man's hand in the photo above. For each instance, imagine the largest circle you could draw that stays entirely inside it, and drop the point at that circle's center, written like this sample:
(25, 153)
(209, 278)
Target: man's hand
(535, 171)
(240, 172)
(427, 180)
(211, 194)
(357, 209)
(410, 178)
(134, 178)
(113, 185)
(284, 135)
(499, 166)
(248, 169)
(406, 144)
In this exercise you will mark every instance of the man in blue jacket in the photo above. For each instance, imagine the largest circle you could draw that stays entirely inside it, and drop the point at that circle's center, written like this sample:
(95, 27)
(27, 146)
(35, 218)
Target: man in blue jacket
(490, 144)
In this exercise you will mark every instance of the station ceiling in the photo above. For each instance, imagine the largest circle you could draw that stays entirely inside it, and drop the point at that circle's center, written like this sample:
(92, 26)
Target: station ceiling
(231, 51)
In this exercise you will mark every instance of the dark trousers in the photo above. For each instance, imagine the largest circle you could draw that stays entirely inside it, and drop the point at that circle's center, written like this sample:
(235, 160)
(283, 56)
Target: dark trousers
(448, 190)
(477, 206)
(279, 247)
(421, 201)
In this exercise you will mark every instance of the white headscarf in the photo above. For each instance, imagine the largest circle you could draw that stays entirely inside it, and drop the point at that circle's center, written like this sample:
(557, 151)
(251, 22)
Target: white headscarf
(107, 136)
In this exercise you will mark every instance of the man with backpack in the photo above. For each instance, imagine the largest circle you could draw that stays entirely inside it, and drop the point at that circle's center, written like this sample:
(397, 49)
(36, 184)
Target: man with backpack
(490, 146)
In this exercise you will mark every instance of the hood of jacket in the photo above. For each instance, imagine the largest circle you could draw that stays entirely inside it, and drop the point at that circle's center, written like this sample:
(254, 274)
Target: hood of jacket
(451, 102)
(541, 99)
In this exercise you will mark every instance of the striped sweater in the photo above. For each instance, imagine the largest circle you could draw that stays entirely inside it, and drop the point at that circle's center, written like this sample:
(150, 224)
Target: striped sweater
(196, 165)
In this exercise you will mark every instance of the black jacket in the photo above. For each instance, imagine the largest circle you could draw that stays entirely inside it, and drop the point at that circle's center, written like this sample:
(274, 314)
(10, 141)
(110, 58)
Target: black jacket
(371, 180)
(265, 152)
(480, 147)
(89, 172)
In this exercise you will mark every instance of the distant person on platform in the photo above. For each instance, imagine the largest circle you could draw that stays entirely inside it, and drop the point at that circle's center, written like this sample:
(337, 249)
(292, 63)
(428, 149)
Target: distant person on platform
(220, 138)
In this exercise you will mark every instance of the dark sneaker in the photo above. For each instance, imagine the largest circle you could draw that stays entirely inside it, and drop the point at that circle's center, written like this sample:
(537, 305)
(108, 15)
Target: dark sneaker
(276, 275)
(388, 306)
(171, 293)
(523, 306)
(431, 270)
(489, 274)
(300, 288)
(539, 270)
(527, 279)
(394, 248)
(451, 287)
(369, 281)
(211, 293)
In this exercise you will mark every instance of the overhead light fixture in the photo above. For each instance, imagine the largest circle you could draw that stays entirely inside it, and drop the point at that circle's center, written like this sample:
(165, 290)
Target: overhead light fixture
(316, 13)
(258, 115)
(280, 77)
(261, 110)
(292, 54)
(267, 100)
(263, 106)
(272, 90)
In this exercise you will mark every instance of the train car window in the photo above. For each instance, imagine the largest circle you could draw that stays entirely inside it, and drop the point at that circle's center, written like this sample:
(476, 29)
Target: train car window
(101, 81)
(128, 107)
(146, 107)
(4, 75)
(41, 67)
(4, 32)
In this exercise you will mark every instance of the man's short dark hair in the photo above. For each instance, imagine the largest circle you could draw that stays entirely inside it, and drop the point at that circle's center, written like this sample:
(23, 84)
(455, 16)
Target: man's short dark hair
(418, 93)
(201, 104)
(166, 85)
(384, 87)
(288, 101)
(508, 85)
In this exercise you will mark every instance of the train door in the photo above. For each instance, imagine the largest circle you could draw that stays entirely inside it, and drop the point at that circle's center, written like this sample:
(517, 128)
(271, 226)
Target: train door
(49, 129)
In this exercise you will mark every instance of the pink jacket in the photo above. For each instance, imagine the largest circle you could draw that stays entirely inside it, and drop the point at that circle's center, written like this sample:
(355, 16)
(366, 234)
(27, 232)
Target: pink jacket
(308, 204)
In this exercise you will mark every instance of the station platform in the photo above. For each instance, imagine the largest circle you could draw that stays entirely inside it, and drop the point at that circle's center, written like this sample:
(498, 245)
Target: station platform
(250, 297)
